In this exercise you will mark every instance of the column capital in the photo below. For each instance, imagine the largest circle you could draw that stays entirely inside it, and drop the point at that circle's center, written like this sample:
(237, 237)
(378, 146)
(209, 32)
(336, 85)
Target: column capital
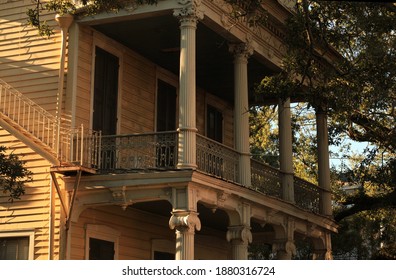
(189, 11)
(241, 233)
(186, 221)
(285, 249)
(241, 50)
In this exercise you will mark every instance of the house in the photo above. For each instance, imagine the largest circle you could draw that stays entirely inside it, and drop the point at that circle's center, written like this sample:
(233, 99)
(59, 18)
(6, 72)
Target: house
(135, 126)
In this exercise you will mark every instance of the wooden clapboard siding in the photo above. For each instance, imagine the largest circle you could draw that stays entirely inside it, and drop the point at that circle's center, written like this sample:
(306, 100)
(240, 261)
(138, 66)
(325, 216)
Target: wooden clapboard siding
(32, 210)
(138, 89)
(28, 62)
(137, 229)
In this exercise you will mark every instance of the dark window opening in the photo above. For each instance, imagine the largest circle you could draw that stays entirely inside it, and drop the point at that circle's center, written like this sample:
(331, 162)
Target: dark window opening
(14, 248)
(166, 107)
(101, 249)
(214, 124)
(163, 256)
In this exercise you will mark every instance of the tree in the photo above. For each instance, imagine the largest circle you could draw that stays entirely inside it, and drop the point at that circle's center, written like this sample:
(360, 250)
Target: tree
(13, 175)
(341, 59)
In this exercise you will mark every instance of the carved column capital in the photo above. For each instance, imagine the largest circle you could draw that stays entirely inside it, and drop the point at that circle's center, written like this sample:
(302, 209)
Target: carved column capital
(239, 233)
(284, 249)
(189, 12)
(241, 50)
(185, 221)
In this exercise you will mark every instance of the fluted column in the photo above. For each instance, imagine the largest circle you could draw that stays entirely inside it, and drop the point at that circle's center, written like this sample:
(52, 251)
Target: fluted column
(240, 237)
(241, 110)
(285, 150)
(185, 223)
(323, 162)
(188, 16)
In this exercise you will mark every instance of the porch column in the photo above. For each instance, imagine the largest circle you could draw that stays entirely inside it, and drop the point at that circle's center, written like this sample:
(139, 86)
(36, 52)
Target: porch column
(241, 110)
(185, 223)
(285, 150)
(188, 16)
(240, 237)
(323, 162)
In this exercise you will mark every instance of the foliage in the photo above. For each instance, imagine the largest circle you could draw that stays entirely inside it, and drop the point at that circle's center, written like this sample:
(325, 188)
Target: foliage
(85, 7)
(13, 175)
(341, 58)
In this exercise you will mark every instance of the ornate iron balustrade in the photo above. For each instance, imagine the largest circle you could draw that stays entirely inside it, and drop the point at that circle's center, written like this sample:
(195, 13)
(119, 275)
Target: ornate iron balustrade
(266, 179)
(138, 151)
(217, 159)
(306, 195)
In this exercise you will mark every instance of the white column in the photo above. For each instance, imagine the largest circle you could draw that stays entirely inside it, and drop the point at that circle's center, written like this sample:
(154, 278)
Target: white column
(284, 246)
(323, 162)
(188, 15)
(285, 150)
(241, 110)
(185, 223)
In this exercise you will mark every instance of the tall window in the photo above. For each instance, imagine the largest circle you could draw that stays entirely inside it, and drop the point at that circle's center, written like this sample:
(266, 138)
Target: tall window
(101, 242)
(166, 107)
(14, 248)
(214, 124)
(105, 92)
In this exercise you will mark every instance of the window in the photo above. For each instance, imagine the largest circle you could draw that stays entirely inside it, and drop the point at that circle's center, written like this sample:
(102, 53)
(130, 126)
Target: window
(163, 249)
(16, 246)
(214, 124)
(166, 107)
(105, 92)
(101, 242)
(101, 249)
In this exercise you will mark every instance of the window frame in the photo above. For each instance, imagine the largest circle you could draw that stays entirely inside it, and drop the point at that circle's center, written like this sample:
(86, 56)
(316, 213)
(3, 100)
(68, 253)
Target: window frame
(101, 232)
(16, 234)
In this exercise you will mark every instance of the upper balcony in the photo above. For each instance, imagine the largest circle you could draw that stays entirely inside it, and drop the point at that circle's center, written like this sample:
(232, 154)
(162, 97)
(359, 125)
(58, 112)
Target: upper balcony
(158, 152)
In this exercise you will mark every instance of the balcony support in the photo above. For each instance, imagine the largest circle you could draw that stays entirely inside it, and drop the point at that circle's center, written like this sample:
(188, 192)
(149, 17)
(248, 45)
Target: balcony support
(241, 110)
(285, 150)
(323, 162)
(188, 15)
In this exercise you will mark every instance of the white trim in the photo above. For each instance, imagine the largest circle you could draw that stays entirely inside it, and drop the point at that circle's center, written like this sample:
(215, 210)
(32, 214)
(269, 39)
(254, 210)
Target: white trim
(29, 234)
(102, 232)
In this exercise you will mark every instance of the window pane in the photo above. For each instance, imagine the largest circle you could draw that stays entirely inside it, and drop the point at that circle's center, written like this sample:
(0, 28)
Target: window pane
(14, 248)
(101, 249)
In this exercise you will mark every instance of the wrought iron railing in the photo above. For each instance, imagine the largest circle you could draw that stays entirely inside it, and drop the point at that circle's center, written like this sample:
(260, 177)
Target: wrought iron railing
(28, 115)
(306, 194)
(217, 159)
(266, 179)
(138, 151)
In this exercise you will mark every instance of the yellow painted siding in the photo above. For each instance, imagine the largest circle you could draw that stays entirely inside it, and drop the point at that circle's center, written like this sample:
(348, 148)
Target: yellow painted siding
(28, 62)
(137, 229)
(32, 211)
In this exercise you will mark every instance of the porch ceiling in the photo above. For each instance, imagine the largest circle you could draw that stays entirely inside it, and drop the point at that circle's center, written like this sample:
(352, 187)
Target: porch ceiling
(158, 39)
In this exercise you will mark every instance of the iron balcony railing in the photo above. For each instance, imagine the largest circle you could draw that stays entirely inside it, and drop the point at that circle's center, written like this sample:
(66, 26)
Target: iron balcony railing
(138, 151)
